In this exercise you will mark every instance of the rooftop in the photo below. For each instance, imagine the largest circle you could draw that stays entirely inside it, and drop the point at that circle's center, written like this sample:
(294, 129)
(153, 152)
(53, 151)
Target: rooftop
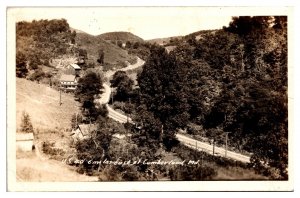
(87, 128)
(75, 66)
(66, 77)
(24, 136)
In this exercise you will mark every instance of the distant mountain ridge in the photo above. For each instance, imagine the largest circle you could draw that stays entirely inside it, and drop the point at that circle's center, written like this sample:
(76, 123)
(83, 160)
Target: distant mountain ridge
(120, 36)
(163, 41)
(77, 30)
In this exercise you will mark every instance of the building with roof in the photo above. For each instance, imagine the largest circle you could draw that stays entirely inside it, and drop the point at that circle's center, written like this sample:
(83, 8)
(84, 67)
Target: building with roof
(68, 82)
(73, 69)
(83, 131)
(25, 141)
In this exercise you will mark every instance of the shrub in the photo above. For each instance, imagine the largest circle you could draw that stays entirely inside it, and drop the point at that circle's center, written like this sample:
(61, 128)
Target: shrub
(37, 75)
(119, 105)
(49, 149)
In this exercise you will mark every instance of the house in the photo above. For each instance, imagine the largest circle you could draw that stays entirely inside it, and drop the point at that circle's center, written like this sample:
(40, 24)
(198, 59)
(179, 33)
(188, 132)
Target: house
(73, 69)
(68, 82)
(83, 131)
(25, 141)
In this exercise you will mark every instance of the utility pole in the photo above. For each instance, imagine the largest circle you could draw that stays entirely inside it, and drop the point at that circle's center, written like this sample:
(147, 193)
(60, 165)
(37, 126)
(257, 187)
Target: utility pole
(226, 143)
(161, 136)
(76, 120)
(112, 95)
(59, 95)
(213, 146)
(242, 53)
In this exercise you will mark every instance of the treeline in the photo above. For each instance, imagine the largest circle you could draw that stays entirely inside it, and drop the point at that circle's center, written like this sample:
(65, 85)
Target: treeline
(232, 80)
(37, 42)
(140, 49)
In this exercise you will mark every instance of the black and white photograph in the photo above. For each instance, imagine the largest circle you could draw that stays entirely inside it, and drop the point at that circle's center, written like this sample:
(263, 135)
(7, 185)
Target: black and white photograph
(149, 95)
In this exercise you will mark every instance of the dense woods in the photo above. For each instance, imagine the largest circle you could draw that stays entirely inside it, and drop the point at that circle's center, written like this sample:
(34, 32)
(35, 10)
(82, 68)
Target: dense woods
(232, 80)
(37, 42)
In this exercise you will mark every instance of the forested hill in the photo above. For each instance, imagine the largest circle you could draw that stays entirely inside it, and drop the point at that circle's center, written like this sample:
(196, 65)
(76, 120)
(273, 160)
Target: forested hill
(234, 80)
(120, 36)
(114, 55)
(41, 45)
(39, 41)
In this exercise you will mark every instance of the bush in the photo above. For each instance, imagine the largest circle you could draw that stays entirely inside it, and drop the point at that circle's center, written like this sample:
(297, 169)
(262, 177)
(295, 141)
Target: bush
(119, 105)
(37, 75)
(55, 153)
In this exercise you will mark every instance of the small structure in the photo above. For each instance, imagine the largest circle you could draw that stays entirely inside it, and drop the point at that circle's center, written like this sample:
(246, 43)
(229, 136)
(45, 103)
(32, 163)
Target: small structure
(68, 82)
(83, 131)
(25, 141)
(121, 136)
(73, 69)
(170, 48)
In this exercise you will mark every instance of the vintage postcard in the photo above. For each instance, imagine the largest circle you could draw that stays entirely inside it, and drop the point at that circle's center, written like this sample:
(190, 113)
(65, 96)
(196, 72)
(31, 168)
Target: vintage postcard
(149, 98)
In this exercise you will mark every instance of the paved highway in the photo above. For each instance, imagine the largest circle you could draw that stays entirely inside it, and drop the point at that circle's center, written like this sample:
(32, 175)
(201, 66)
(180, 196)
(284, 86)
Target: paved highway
(202, 146)
(105, 96)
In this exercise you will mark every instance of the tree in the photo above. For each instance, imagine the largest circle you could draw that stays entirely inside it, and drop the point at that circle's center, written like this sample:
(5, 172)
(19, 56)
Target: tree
(128, 44)
(73, 36)
(88, 87)
(82, 53)
(21, 69)
(37, 75)
(148, 130)
(255, 102)
(124, 85)
(94, 148)
(161, 91)
(76, 120)
(26, 125)
(245, 25)
(100, 60)
(119, 43)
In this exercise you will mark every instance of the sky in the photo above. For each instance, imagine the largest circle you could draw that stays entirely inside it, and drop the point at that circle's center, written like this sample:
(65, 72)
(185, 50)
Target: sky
(145, 22)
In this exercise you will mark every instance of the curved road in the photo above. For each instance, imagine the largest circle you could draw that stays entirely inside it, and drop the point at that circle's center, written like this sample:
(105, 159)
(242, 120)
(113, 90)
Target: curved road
(190, 142)
(105, 96)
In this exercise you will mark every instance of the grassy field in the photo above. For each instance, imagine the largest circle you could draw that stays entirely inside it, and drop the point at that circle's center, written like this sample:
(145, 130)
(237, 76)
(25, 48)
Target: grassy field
(34, 169)
(42, 104)
(49, 120)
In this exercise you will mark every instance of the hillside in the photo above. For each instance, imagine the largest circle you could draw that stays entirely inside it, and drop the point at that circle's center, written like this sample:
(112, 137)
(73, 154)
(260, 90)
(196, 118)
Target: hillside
(163, 41)
(114, 56)
(39, 41)
(30, 168)
(172, 40)
(200, 34)
(42, 104)
(77, 30)
(120, 36)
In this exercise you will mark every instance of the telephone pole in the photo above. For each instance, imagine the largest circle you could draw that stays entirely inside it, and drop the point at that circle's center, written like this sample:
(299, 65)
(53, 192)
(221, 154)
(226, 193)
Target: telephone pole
(213, 146)
(59, 96)
(226, 143)
(112, 95)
